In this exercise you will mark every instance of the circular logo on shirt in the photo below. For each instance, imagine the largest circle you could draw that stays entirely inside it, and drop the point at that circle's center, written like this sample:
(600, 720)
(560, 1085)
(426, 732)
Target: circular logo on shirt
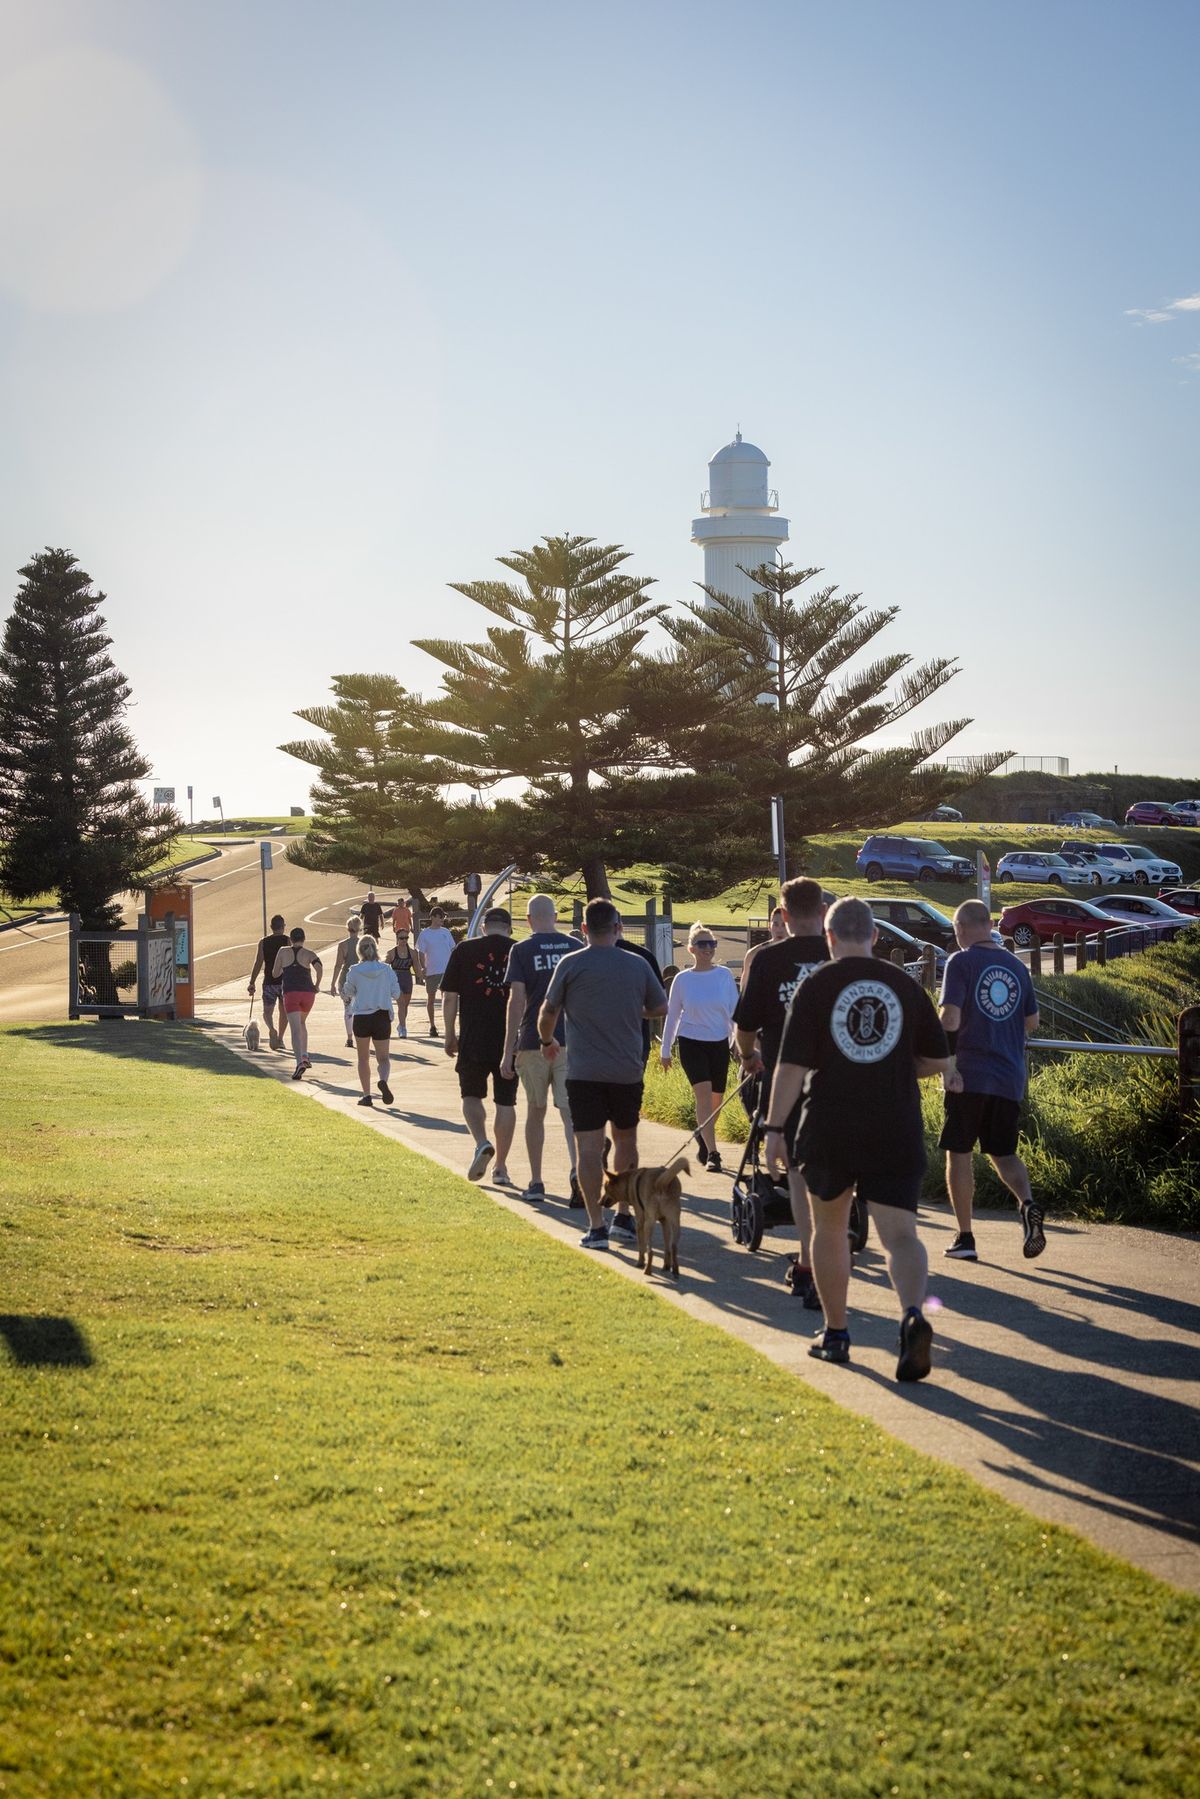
(998, 993)
(866, 1021)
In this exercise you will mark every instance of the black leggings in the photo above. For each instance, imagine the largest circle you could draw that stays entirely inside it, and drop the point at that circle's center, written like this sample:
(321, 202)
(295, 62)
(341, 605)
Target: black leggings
(703, 1061)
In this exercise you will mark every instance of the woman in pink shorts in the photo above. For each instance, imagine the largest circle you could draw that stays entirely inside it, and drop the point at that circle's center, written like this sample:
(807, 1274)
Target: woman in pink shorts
(298, 972)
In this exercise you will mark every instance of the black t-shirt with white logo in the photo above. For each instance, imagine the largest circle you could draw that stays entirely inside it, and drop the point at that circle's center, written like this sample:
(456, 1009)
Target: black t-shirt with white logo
(269, 948)
(775, 972)
(478, 972)
(858, 1025)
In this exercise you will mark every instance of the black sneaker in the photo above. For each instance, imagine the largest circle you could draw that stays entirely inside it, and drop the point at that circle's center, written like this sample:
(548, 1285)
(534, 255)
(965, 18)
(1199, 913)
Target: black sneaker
(714, 1162)
(535, 1193)
(623, 1229)
(830, 1346)
(1032, 1217)
(575, 1203)
(963, 1247)
(916, 1345)
(366, 1100)
(701, 1149)
(803, 1286)
(386, 1092)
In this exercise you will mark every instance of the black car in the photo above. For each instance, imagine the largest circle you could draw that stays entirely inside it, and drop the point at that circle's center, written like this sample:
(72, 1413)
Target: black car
(892, 938)
(919, 918)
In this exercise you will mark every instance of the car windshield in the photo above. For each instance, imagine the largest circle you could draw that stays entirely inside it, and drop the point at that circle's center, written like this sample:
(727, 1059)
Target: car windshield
(1056, 861)
(928, 848)
(1140, 853)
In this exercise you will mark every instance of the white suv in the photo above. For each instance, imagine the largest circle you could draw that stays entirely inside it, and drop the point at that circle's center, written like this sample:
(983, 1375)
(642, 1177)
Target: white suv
(1041, 865)
(1137, 863)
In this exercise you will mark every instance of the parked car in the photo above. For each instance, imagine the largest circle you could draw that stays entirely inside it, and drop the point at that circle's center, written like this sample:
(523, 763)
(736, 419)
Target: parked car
(1189, 806)
(1184, 899)
(1138, 908)
(920, 919)
(1134, 861)
(941, 815)
(1104, 872)
(1037, 921)
(1086, 821)
(911, 859)
(891, 938)
(1042, 865)
(1156, 812)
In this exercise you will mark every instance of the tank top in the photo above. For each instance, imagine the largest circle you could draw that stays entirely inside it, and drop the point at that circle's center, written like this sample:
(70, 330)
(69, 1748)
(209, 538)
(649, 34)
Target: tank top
(296, 977)
(402, 960)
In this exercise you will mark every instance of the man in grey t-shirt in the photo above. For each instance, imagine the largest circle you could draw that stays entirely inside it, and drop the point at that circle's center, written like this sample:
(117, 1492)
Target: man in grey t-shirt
(606, 994)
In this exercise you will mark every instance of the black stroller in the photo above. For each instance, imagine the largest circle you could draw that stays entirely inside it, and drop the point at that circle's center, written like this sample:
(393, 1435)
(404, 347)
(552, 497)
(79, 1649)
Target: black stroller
(760, 1203)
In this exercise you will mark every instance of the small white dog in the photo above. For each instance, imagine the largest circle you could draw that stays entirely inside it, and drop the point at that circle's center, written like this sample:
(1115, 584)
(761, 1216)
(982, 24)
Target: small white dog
(252, 1034)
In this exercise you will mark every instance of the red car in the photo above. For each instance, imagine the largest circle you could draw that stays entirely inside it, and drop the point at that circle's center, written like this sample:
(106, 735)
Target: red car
(1184, 899)
(1037, 921)
(1153, 812)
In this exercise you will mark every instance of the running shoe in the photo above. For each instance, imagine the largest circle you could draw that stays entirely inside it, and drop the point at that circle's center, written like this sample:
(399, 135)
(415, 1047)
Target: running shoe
(597, 1238)
(434, 1033)
(916, 1345)
(623, 1229)
(576, 1200)
(963, 1247)
(1033, 1218)
(714, 1162)
(830, 1346)
(535, 1192)
(366, 1100)
(803, 1286)
(275, 1039)
(299, 1074)
(386, 1091)
(402, 1030)
(502, 1178)
(306, 1062)
(701, 1149)
(479, 1161)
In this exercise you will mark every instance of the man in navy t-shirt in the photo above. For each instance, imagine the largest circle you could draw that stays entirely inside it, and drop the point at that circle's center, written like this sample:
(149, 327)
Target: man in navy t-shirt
(530, 965)
(988, 1009)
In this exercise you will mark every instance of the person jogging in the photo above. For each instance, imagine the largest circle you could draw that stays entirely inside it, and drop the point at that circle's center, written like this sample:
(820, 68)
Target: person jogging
(859, 1035)
(530, 966)
(700, 1021)
(298, 971)
(606, 995)
(435, 946)
(273, 1013)
(347, 956)
(401, 916)
(403, 963)
(371, 989)
(475, 998)
(988, 1010)
(774, 970)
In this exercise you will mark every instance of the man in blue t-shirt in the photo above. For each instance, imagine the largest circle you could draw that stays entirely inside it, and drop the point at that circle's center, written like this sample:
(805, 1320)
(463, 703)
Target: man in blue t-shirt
(988, 1010)
(530, 965)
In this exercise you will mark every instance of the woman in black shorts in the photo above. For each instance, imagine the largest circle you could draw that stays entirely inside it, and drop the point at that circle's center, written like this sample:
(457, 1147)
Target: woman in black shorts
(403, 965)
(371, 990)
(700, 1018)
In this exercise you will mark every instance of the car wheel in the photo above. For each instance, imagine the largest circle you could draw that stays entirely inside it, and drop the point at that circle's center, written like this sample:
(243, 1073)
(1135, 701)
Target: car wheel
(1025, 936)
(1056, 880)
(1097, 878)
(1141, 878)
(926, 874)
(874, 871)
(1004, 876)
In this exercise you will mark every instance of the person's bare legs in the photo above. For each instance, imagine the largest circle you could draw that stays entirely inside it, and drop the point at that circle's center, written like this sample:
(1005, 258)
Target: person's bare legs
(589, 1166)
(363, 1046)
(402, 1005)
(383, 1055)
(1015, 1175)
(298, 1030)
(801, 1213)
(625, 1156)
(506, 1130)
(706, 1125)
(908, 1264)
(960, 1185)
(535, 1140)
(475, 1113)
(431, 994)
(831, 1256)
(348, 1016)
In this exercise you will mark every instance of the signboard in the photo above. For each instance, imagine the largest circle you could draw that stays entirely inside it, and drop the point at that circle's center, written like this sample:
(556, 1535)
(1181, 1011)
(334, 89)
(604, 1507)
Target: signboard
(663, 945)
(216, 802)
(983, 869)
(264, 856)
(183, 970)
(164, 796)
(189, 793)
(160, 975)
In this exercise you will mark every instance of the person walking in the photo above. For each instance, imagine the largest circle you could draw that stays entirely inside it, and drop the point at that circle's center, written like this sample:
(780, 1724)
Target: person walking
(371, 990)
(858, 1036)
(435, 946)
(347, 956)
(988, 1010)
(530, 966)
(474, 1001)
(371, 913)
(403, 963)
(700, 1021)
(401, 916)
(606, 994)
(773, 972)
(272, 993)
(298, 971)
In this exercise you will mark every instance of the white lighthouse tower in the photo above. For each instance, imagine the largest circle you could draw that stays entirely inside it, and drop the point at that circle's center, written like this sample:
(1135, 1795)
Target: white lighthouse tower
(741, 527)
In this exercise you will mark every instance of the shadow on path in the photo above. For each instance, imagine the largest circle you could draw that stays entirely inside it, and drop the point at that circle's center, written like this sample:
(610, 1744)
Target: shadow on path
(141, 1040)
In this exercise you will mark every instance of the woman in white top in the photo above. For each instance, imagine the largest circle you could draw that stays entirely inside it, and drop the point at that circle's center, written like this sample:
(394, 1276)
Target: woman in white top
(700, 1018)
(370, 989)
(347, 956)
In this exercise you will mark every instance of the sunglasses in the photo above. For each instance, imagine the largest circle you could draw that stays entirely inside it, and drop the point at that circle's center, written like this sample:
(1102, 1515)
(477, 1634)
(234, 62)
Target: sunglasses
(704, 943)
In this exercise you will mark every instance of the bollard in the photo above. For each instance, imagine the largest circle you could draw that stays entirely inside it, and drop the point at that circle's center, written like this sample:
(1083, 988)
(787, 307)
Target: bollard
(1102, 950)
(1188, 1043)
(1035, 961)
(1080, 950)
(1060, 965)
(1010, 944)
(898, 957)
(576, 915)
(929, 968)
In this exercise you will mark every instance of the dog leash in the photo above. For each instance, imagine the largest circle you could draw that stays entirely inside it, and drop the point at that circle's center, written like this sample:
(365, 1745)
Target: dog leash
(692, 1135)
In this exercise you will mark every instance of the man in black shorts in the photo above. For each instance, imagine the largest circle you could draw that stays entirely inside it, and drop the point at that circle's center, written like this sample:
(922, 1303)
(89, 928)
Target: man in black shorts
(859, 1034)
(606, 995)
(772, 974)
(371, 913)
(988, 1009)
(474, 1007)
(272, 993)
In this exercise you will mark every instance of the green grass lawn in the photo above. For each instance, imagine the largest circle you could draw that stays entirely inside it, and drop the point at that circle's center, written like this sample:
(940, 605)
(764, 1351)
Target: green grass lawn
(351, 1480)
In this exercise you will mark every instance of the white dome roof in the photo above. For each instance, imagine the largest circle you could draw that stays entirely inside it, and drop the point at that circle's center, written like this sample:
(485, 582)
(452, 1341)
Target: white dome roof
(739, 451)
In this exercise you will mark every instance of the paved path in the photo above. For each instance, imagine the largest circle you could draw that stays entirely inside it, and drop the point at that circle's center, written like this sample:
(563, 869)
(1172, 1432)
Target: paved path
(1070, 1385)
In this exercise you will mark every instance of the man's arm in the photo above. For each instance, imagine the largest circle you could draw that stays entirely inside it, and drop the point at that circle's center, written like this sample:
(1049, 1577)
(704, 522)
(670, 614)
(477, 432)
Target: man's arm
(1032, 1021)
(786, 1089)
(516, 1012)
(337, 968)
(546, 1024)
(258, 962)
(316, 962)
(928, 1066)
(450, 1022)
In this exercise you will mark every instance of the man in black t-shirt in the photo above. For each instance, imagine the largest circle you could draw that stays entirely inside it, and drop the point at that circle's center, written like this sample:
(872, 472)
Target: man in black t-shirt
(371, 913)
(272, 993)
(858, 1036)
(474, 1007)
(771, 975)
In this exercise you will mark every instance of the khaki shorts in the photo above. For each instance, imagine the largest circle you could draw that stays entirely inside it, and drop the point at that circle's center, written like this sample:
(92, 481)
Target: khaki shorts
(538, 1076)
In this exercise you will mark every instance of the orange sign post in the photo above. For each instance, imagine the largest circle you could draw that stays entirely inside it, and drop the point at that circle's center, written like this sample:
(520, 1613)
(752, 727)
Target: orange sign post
(178, 900)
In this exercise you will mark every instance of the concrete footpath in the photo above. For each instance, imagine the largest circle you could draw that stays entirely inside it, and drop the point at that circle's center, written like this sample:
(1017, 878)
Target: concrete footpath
(1070, 1385)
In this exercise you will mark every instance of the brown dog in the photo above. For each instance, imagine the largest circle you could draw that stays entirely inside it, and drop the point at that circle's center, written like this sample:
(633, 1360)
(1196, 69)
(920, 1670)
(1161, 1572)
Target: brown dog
(655, 1195)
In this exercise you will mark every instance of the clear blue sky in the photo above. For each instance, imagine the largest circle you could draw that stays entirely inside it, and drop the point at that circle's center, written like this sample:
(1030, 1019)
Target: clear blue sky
(306, 310)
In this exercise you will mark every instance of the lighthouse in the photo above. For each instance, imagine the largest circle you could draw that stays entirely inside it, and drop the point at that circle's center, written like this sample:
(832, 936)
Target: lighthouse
(741, 527)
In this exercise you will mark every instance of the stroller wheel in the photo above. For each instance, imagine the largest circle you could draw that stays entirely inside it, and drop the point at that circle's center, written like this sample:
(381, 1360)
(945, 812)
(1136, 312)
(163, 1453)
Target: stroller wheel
(858, 1226)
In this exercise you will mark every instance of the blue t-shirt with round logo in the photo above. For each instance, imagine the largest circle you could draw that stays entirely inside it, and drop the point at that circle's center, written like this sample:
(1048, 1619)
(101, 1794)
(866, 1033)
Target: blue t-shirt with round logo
(993, 991)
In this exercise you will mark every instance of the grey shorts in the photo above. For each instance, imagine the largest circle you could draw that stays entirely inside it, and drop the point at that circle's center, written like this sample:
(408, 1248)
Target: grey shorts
(432, 983)
(272, 993)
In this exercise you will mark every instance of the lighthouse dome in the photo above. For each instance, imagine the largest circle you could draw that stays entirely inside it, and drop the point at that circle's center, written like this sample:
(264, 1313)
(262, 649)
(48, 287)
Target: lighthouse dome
(737, 476)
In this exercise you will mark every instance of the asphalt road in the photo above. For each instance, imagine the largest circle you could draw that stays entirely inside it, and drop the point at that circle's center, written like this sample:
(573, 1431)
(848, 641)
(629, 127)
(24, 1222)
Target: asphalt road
(227, 924)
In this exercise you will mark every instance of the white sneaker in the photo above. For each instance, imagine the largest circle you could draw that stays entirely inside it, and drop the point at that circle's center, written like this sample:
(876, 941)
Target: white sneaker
(479, 1161)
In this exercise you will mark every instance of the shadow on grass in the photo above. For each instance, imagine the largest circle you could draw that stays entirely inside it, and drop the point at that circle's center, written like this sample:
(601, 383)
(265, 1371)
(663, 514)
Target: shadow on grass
(35, 1342)
(139, 1040)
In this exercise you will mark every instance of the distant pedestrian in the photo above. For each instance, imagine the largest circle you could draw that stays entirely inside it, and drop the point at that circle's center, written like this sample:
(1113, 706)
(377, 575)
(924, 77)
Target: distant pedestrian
(372, 917)
(859, 1034)
(989, 1008)
(773, 972)
(606, 995)
(435, 946)
(401, 917)
(403, 963)
(272, 993)
(347, 956)
(298, 971)
(371, 989)
(475, 1000)
(700, 1021)
(530, 966)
